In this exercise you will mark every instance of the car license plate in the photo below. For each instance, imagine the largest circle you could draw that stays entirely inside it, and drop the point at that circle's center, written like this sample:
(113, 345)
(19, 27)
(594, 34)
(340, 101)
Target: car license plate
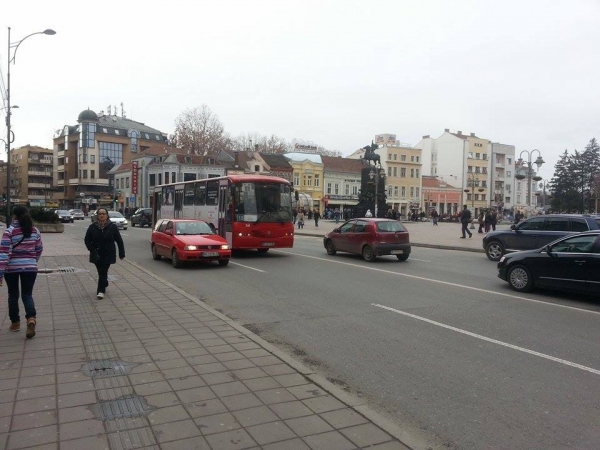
(210, 254)
(397, 252)
(268, 244)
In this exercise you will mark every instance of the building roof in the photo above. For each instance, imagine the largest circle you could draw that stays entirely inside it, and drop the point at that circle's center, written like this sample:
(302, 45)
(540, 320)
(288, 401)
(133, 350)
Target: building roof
(276, 161)
(430, 182)
(336, 164)
(122, 168)
(299, 157)
(124, 123)
(87, 116)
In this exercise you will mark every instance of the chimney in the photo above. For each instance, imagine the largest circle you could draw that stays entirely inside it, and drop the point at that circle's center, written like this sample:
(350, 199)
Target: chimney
(472, 134)
(459, 133)
(447, 130)
(426, 136)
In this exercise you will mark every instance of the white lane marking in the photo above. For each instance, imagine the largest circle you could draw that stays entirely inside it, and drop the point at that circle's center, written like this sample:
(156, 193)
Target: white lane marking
(123, 234)
(447, 283)
(493, 341)
(416, 259)
(246, 267)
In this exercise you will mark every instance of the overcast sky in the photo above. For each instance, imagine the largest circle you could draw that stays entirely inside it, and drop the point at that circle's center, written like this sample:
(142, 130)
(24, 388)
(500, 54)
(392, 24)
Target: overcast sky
(335, 73)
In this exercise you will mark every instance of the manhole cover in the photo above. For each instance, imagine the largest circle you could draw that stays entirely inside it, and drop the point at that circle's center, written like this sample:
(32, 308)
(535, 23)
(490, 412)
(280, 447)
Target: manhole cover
(101, 368)
(121, 408)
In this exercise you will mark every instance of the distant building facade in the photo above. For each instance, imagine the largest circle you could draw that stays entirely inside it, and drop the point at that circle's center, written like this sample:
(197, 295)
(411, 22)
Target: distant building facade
(32, 176)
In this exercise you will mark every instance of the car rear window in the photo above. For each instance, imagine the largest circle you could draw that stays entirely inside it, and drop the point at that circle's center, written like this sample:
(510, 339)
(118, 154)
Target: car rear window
(579, 225)
(391, 227)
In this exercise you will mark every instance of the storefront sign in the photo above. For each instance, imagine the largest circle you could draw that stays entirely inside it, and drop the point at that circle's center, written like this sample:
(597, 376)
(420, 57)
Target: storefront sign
(134, 177)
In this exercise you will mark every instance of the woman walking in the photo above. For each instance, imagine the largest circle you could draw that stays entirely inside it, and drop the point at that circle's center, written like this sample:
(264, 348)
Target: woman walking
(20, 251)
(100, 241)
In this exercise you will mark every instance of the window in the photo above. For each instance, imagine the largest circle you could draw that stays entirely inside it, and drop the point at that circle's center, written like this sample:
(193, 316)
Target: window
(256, 168)
(347, 189)
(396, 191)
(403, 190)
(93, 159)
(417, 192)
(329, 188)
(556, 224)
(402, 172)
(152, 181)
(536, 223)
(403, 158)
(127, 182)
(200, 194)
(166, 177)
(477, 155)
(160, 179)
(508, 160)
(173, 177)
(578, 225)
(508, 173)
(389, 171)
(417, 172)
(354, 190)
(87, 135)
(93, 174)
(412, 173)
(395, 171)
(577, 244)
(110, 155)
(188, 195)
(412, 158)
(418, 157)
(395, 157)
(296, 179)
(470, 169)
(189, 176)
(317, 180)
(84, 174)
(212, 192)
(389, 191)
(133, 144)
(470, 155)
(412, 192)
(485, 157)
(468, 196)
(336, 188)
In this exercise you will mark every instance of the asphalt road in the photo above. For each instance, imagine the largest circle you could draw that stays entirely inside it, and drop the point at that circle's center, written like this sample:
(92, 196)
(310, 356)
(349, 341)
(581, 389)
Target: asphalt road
(439, 344)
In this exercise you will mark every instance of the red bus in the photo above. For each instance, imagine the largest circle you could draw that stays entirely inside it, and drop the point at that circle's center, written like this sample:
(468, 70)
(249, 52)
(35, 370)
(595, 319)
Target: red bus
(250, 211)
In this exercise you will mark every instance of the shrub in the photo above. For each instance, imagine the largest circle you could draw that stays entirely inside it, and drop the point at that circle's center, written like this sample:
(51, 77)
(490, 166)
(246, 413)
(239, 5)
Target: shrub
(41, 215)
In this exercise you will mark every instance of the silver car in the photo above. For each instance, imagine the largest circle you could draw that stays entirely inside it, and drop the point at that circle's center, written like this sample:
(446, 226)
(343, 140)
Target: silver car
(118, 219)
(77, 214)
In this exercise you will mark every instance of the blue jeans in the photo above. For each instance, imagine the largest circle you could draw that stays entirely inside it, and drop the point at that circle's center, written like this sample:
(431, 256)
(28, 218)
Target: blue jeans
(12, 283)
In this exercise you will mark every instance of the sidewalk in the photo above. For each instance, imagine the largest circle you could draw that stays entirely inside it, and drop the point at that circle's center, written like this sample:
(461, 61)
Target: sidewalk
(150, 367)
(422, 234)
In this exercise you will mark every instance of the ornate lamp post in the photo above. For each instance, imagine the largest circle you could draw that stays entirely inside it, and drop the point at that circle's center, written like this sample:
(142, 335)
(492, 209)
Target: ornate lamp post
(9, 134)
(471, 181)
(542, 186)
(529, 174)
(376, 174)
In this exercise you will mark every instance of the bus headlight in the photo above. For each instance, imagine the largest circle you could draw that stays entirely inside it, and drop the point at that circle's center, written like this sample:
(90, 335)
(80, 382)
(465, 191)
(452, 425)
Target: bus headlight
(190, 247)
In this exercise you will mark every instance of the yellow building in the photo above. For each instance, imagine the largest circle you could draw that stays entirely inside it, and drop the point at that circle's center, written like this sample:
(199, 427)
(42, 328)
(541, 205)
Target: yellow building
(307, 179)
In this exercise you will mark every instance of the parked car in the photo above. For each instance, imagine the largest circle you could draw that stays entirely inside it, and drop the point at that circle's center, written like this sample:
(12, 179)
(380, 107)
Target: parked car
(115, 217)
(369, 237)
(188, 240)
(142, 217)
(571, 263)
(64, 215)
(77, 214)
(536, 232)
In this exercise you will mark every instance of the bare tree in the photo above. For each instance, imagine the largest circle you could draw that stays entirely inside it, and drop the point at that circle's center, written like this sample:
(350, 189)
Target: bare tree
(260, 143)
(200, 131)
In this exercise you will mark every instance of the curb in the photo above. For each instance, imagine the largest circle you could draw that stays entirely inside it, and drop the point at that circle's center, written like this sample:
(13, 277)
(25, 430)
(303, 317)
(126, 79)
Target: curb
(407, 439)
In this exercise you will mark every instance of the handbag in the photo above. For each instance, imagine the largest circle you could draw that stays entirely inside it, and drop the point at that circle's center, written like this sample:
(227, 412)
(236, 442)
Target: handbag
(94, 256)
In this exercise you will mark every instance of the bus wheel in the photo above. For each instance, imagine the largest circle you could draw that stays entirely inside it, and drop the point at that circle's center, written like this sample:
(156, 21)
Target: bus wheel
(262, 250)
(175, 259)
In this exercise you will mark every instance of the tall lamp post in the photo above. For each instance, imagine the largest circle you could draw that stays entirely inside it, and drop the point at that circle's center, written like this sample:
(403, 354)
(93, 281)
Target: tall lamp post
(529, 174)
(543, 184)
(376, 174)
(9, 134)
(471, 181)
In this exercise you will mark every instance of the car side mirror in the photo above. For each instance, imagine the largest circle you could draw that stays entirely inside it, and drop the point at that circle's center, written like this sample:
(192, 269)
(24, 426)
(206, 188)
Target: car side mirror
(169, 232)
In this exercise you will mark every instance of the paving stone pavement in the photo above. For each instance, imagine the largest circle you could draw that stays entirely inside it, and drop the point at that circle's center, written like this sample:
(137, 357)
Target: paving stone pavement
(150, 367)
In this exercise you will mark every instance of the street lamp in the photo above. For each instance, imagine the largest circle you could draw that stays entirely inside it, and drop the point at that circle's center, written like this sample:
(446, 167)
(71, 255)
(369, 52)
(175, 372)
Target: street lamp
(522, 174)
(471, 181)
(542, 185)
(9, 134)
(376, 174)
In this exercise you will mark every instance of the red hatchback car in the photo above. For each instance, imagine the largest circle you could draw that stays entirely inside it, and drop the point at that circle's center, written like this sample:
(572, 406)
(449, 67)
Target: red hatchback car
(370, 238)
(188, 240)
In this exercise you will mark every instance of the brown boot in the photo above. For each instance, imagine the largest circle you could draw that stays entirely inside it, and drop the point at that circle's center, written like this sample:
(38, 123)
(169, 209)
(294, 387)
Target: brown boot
(15, 326)
(30, 328)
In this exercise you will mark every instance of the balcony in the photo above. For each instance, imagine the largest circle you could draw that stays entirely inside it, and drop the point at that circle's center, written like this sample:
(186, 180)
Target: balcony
(39, 161)
(37, 197)
(39, 185)
(47, 173)
(60, 168)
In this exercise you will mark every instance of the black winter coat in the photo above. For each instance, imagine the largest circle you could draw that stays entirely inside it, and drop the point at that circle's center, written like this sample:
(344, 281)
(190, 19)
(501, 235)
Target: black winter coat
(103, 240)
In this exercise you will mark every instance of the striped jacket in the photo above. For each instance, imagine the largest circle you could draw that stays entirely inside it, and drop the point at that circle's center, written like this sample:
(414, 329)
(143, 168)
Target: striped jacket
(24, 257)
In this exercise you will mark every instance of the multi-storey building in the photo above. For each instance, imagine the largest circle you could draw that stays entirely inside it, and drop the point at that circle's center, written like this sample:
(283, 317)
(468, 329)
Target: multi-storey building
(341, 182)
(307, 179)
(85, 153)
(31, 179)
(464, 158)
(502, 176)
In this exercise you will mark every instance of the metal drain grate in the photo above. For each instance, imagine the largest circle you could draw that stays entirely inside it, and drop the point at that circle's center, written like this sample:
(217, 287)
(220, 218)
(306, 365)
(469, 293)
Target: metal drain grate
(122, 408)
(60, 270)
(101, 368)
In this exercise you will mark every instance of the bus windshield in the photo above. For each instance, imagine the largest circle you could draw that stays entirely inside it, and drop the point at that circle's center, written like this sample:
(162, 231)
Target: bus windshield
(255, 202)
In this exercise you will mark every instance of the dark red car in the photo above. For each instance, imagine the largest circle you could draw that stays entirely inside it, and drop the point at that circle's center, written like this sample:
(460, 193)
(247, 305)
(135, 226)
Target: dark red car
(370, 238)
(188, 240)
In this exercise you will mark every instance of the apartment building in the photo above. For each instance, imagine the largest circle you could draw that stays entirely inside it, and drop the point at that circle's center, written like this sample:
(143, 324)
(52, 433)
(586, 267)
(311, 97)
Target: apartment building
(341, 182)
(85, 154)
(32, 176)
(502, 176)
(464, 159)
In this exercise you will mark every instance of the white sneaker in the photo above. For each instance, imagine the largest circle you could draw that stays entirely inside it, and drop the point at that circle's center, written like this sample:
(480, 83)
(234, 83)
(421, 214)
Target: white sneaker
(100, 295)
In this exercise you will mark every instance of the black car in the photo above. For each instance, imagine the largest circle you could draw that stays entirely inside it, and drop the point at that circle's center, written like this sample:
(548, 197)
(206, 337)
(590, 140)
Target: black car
(64, 216)
(536, 232)
(571, 263)
(142, 217)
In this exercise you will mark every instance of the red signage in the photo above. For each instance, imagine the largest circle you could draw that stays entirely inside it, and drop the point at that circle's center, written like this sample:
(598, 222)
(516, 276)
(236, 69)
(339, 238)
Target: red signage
(134, 177)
